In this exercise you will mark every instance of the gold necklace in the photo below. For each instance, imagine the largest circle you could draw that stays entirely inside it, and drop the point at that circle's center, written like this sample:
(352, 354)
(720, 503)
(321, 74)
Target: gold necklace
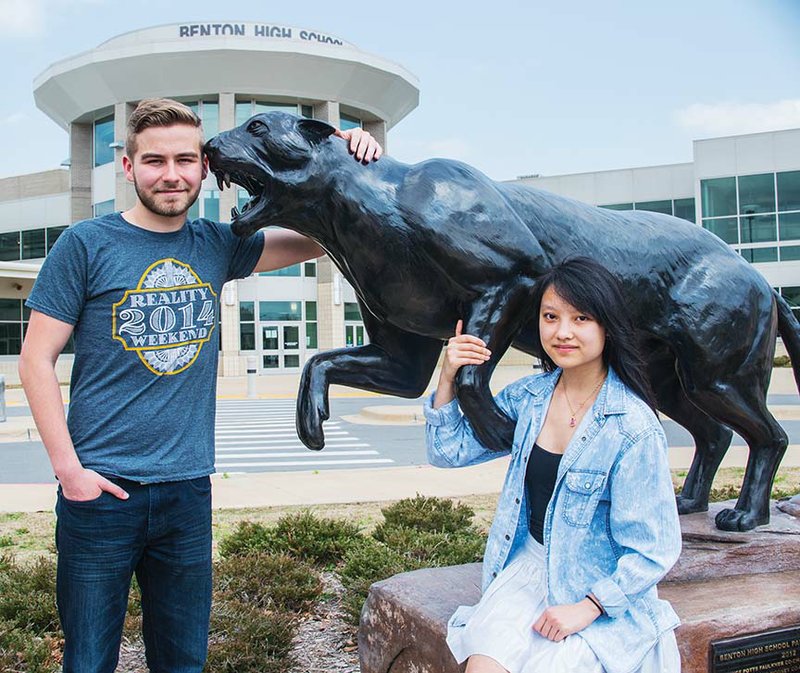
(574, 412)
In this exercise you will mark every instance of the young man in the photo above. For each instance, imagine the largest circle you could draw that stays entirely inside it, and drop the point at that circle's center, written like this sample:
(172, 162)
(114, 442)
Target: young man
(139, 290)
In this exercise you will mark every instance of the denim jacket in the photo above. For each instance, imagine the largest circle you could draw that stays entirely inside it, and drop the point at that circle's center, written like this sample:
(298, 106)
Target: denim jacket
(611, 527)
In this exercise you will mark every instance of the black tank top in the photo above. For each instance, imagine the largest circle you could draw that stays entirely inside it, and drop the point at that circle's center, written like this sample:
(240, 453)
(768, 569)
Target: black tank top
(540, 480)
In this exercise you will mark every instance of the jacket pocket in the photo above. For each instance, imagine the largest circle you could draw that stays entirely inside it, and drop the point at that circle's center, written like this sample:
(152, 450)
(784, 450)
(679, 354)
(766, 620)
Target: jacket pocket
(581, 495)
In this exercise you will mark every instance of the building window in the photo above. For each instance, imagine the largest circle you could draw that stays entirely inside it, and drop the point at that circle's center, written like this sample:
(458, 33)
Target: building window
(279, 310)
(757, 255)
(311, 324)
(758, 228)
(790, 253)
(757, 194)
(242, 197)
(208, 111)
(103, 208)
(10, 326)
(618, 206)
(210, 209)
(725, 227)
(310, 269)
(9, 246)
(718, 197)
(788, 190)
(293, 270)
(34, 245)
(664, 207)
(307, 111)
(351, 311)
(52, 236)
(247, 326)
(684, 208)
(792, 297)
(789, 226)
(103, 137)
(247, 108)
(347, 122)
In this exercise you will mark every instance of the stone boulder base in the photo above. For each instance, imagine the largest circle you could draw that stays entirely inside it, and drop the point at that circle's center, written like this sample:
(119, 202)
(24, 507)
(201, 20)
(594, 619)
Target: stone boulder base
(725, 585)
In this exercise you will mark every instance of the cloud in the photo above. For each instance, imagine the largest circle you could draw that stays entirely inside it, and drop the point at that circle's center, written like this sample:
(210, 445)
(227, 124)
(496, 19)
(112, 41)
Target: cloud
(724, 119)
(21, 18)
(13, 118)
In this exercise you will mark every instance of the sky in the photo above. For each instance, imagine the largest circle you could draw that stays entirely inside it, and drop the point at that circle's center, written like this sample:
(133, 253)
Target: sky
(512, 87)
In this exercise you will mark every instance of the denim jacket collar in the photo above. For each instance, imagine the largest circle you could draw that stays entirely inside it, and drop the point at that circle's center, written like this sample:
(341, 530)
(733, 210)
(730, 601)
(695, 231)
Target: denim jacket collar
(610, 401)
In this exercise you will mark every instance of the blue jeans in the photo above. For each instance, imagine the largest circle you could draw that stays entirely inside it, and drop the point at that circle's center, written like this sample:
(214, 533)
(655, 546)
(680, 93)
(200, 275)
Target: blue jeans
(163, 534)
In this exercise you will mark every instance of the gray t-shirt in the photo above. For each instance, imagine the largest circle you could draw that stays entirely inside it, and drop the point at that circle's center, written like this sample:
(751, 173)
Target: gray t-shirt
(145, 307)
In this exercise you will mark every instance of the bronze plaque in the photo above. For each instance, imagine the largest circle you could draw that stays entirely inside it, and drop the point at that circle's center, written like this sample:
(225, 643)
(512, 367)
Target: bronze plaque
(768, 652)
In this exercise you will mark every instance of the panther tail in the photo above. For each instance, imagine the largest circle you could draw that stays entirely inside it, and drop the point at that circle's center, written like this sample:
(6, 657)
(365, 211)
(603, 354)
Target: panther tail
(789, 329)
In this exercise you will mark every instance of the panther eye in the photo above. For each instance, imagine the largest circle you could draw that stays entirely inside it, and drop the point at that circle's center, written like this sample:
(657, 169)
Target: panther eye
(257, 127)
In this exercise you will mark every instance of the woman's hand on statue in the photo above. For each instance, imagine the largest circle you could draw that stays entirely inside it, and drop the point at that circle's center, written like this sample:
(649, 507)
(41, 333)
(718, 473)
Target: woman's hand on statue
(463, 349)
(559, 621)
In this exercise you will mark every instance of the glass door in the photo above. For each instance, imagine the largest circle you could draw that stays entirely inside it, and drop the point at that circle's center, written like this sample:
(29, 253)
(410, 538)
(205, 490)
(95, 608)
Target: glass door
(270, 347)
(290, 351)
(280, 346)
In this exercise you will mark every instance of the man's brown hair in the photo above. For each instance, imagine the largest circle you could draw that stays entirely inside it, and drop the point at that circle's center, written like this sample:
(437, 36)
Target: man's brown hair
(158, 112)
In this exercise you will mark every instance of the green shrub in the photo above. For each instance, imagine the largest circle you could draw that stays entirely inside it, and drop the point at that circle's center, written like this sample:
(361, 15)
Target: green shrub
(246, 639)
(28, 595)
(367, 563)
(434, 549)
(22, 652)
(782, 361)
(268, 581)
(248, 538)
(427, 514)
(316, 540)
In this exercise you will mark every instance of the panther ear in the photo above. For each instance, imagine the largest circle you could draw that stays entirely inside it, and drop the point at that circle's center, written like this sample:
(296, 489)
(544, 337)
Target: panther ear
(314, 131)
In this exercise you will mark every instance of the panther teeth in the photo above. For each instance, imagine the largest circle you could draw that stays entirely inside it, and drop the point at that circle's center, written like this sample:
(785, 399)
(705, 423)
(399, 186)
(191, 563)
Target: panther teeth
(227, 179)
(220, 184)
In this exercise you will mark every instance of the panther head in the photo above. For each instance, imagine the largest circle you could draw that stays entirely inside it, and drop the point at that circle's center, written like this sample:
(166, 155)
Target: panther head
(265, 155)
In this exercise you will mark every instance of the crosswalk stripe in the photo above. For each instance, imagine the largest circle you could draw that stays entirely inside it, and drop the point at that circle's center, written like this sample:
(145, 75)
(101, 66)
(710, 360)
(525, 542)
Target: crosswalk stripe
(284, 447)
(301, 454)
(300, 463)
(252, 434)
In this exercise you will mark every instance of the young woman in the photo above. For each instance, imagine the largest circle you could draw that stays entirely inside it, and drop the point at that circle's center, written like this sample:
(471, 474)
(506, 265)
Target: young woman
(586, 523)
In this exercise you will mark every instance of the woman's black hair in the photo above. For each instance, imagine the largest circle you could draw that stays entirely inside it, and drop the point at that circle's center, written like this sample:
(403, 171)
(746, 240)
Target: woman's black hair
(594, 290)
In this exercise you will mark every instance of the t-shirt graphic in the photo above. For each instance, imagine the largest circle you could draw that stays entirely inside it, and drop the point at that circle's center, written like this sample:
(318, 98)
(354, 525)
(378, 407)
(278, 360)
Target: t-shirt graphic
(168, 317)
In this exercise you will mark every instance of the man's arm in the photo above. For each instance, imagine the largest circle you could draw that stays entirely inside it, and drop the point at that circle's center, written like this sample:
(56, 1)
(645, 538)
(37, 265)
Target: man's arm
(284, 248)
(44, 341)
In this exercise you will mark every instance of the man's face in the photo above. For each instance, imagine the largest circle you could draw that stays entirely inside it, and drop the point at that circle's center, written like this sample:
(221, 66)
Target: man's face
(167, 169)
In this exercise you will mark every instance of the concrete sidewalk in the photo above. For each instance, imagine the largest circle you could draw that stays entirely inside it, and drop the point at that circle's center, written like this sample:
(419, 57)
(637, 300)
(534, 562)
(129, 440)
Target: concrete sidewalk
(361, 485)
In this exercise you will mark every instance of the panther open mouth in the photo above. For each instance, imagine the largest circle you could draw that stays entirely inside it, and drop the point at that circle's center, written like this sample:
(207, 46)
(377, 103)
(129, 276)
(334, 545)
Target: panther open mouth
(258, 188)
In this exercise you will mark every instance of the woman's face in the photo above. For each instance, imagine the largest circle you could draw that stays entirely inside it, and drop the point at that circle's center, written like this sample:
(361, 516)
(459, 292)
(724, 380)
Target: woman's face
(571, 338)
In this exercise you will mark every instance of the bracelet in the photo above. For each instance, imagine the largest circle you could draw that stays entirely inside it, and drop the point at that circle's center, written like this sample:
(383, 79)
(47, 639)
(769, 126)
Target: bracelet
(596, 604)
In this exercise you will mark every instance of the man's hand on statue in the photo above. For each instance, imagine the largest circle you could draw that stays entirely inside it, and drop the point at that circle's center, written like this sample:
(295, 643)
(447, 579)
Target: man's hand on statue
(560, 621)
(80, 485)
(463, 349)
(361, 145)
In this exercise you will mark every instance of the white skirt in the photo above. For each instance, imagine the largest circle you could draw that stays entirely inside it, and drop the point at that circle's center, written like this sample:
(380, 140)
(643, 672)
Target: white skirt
(500, 627)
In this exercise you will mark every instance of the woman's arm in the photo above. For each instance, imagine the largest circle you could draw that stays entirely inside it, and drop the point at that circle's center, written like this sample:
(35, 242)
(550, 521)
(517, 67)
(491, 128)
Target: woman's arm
(450, 438)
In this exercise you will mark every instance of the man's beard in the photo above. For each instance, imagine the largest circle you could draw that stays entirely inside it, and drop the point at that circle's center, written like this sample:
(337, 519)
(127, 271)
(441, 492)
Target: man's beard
(171, 209)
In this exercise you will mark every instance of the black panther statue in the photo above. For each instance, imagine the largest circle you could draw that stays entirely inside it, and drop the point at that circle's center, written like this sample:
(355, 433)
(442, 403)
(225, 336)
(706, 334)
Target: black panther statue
(427, 244)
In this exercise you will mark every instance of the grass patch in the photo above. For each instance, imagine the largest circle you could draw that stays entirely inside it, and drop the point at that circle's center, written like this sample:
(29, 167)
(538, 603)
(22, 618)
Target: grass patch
(728, 483)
